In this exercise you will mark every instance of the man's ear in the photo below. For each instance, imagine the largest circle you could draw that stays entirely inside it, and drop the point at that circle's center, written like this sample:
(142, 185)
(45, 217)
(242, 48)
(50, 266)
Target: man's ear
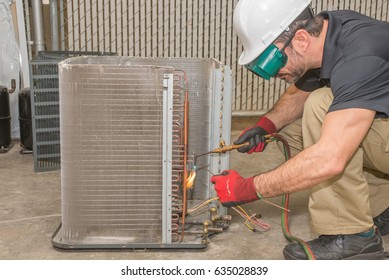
(301, 40)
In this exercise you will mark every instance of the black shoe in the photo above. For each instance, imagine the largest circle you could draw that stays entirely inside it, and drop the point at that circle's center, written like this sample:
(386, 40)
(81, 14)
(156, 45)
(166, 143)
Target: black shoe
(339, 247)
(382, 222)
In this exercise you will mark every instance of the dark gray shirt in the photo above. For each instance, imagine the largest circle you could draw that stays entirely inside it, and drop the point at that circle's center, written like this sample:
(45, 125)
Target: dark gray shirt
(355, 63)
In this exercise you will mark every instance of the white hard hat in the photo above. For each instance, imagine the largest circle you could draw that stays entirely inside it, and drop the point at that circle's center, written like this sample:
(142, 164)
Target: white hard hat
(259, 22)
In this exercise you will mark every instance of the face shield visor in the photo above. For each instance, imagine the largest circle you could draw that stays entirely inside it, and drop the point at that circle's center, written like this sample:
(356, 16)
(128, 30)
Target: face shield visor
(270, 61)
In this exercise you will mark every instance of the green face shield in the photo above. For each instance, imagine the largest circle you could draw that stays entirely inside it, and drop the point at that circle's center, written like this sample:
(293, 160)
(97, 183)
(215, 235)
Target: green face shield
(268, 63)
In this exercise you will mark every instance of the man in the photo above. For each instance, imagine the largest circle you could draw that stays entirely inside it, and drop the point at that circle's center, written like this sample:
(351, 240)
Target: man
(334, 116)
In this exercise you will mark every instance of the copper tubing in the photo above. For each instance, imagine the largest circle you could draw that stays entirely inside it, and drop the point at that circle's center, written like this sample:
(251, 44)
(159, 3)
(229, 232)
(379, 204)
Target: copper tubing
(180, 143)
(175, 195)
(174, 227)
(184, 137)
(184, 188)
(175, 236)
(180, 153)
(13, 86)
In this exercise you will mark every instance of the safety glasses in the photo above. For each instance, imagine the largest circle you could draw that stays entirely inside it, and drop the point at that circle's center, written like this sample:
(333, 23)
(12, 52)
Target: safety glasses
(270, 61)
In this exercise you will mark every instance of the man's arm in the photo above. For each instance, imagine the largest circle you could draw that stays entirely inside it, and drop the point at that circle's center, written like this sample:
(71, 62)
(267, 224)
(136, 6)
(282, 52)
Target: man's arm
(342, 133)
(288, 108)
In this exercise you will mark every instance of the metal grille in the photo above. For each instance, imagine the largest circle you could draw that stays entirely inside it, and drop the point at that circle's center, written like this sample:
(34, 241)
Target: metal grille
(176, 28)
(45, 114)
(45, 108)
(111, 122)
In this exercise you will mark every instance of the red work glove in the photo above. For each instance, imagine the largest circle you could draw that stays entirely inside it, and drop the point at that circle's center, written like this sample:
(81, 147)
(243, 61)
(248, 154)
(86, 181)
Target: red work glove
(232, 189)
(254, 135)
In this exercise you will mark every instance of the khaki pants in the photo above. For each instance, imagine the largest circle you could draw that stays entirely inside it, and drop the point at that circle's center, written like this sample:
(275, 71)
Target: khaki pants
(344, 204)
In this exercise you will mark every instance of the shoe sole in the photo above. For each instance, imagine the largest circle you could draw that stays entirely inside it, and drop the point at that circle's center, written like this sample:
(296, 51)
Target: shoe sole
(380, 255)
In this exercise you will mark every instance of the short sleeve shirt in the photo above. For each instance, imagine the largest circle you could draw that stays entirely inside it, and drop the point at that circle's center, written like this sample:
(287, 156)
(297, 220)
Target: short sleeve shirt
(355, 63)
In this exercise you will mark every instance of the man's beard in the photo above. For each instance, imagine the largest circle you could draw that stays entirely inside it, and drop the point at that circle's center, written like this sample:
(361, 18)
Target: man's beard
(298, 71)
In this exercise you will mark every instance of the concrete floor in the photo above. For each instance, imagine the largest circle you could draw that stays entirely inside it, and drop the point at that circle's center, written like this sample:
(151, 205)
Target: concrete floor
(30, 212)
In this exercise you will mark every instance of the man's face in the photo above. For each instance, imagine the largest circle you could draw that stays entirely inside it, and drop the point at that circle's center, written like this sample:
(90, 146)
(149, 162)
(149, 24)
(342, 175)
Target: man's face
(294, 68)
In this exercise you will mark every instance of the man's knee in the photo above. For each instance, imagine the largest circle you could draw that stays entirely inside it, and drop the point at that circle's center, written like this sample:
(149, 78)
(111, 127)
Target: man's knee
(318, 102)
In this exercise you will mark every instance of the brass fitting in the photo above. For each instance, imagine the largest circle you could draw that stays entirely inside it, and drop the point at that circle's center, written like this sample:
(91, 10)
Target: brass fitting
(216, 224)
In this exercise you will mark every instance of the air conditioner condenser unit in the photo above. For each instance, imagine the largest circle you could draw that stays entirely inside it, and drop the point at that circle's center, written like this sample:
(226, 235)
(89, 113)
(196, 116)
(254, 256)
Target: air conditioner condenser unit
(130, 130)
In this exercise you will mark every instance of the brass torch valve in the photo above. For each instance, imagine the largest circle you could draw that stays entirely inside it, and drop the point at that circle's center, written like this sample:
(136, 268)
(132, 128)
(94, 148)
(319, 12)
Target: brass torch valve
(223, 148)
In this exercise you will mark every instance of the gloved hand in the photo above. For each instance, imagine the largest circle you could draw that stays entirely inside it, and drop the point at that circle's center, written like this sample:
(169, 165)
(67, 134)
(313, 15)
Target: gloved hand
(254, 136)
(232, 189)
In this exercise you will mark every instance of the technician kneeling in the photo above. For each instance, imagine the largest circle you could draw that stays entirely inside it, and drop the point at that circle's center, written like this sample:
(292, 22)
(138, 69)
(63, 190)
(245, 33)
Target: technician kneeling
(334, 115)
